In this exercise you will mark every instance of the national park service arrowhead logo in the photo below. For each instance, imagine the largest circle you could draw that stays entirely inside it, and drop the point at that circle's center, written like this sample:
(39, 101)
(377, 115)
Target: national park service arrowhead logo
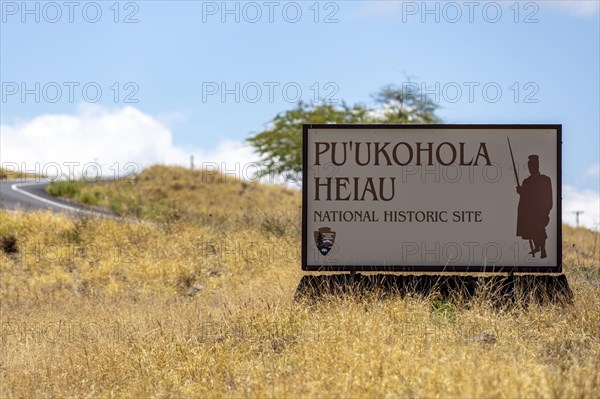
(324, 239)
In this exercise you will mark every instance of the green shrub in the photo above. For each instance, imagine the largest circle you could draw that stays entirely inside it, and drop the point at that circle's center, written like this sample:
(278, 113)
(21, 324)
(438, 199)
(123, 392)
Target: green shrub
(69, 189)
(87, 198)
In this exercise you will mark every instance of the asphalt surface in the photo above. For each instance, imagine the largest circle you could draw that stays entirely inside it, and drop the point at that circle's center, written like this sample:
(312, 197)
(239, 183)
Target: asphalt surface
(30, 195)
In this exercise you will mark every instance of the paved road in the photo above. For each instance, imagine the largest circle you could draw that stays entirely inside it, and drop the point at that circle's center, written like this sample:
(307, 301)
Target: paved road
(30, 195)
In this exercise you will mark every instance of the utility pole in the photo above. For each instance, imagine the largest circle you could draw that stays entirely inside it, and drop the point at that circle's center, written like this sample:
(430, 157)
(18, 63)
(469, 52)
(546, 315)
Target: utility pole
(191, 162)
(577, 213)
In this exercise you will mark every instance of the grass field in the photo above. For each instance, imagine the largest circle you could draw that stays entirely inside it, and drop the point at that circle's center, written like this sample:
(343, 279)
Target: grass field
(100, 308)
(9, 174)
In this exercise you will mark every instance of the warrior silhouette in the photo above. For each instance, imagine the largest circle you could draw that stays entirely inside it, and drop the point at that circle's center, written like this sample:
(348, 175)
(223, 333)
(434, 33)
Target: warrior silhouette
(535, 203)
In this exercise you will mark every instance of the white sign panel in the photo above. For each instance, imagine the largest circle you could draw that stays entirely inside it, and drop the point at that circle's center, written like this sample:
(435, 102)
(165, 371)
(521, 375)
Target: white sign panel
(432, 198)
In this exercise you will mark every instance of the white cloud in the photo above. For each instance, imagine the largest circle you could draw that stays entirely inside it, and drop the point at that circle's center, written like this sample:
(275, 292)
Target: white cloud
(575, 7)
(48, 143)
(414, 10)
(588, 201)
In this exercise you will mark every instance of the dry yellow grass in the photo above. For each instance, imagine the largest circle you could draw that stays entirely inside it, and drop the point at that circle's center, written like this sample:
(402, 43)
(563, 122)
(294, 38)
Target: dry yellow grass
(10, 174)
(98, 308)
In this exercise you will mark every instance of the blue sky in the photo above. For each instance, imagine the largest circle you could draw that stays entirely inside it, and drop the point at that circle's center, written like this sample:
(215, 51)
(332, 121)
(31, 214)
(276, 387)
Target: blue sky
(543, 56)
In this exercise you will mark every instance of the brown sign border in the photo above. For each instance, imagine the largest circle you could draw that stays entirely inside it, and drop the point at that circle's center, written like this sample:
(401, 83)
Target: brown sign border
(433, 268)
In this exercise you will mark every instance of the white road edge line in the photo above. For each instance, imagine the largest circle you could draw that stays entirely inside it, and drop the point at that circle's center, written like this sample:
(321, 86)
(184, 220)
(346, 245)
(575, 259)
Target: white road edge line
(15, 187)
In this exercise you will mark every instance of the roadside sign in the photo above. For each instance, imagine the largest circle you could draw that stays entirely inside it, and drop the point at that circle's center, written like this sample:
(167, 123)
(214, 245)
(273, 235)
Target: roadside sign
(469, 198)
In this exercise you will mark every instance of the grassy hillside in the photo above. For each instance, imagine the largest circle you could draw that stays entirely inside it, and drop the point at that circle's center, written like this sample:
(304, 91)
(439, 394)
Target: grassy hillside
(173, 194)
(95, 307)
(9, 174)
